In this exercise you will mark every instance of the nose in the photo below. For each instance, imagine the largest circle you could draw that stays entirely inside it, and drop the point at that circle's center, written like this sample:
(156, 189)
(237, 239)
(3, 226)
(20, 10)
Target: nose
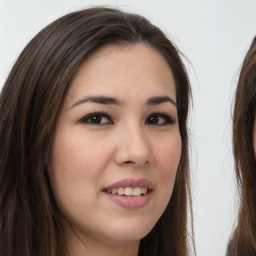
(133, 148)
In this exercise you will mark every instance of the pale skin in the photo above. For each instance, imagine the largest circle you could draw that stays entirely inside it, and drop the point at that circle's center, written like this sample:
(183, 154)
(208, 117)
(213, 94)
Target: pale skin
(118, 122)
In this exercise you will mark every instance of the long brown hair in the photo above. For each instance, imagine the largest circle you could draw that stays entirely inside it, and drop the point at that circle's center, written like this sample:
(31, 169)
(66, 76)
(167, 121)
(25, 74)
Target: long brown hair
(30, 222)
(244, 238)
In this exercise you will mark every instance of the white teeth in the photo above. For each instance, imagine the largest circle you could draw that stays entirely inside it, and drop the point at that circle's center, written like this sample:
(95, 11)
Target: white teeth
(144, 191)
(128, 191)
(136, 192)
(120, 191)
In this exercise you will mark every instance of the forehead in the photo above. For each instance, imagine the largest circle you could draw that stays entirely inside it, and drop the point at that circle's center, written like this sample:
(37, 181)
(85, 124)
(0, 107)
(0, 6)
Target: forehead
(122, 70)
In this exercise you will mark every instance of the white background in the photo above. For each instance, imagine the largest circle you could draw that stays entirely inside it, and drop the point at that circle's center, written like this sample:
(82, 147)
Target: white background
(214, 35)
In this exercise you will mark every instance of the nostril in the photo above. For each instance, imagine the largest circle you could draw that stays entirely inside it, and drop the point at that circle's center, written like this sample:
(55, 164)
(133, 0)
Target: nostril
(129, 162)
(126, 156)
(136, 163)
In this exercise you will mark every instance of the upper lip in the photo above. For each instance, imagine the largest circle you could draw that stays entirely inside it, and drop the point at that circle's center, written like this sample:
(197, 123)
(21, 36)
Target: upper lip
(132, 183)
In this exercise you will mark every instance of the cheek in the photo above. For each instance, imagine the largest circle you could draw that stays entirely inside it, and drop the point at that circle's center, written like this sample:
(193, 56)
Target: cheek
(167, 160)
(168, 156)
(76, 166)
(75, 155)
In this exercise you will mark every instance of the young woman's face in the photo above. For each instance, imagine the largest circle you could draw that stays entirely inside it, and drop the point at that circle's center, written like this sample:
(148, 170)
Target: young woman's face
(117, 145)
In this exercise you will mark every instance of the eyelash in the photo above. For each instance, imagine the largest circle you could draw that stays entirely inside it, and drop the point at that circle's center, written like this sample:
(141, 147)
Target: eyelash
(88, 119)
(168, 119)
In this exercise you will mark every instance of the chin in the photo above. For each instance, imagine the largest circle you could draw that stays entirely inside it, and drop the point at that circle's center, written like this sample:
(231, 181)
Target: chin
(130, 232)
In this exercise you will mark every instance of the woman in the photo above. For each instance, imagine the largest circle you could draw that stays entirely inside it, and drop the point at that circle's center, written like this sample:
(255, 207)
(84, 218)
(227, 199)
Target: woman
(244, 139)
(94, 143)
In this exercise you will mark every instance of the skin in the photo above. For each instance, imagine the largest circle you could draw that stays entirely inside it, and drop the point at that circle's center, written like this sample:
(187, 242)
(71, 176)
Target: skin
(130, 143)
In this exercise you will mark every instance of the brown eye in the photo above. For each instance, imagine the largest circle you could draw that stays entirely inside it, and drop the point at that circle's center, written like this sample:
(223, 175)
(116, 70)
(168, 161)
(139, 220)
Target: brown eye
(159, 119)
(97, 119)
(153, 120)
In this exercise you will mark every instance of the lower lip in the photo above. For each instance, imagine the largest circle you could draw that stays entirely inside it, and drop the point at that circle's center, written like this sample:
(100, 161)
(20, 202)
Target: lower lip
(130, 202)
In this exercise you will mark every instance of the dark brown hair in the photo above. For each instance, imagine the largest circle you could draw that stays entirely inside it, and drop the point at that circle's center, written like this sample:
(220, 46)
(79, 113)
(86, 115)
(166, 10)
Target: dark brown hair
(30, 223)
(244, 237)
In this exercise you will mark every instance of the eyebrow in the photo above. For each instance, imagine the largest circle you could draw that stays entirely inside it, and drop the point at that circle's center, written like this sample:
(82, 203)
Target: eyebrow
(98, 99)
(160, 99)
(113, 101)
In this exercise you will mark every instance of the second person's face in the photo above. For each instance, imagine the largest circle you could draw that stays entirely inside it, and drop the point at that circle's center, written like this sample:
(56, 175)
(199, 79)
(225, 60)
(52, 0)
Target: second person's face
(117, 145)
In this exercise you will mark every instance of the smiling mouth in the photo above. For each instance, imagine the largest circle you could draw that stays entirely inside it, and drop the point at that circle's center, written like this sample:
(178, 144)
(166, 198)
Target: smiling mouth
(128, 191)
